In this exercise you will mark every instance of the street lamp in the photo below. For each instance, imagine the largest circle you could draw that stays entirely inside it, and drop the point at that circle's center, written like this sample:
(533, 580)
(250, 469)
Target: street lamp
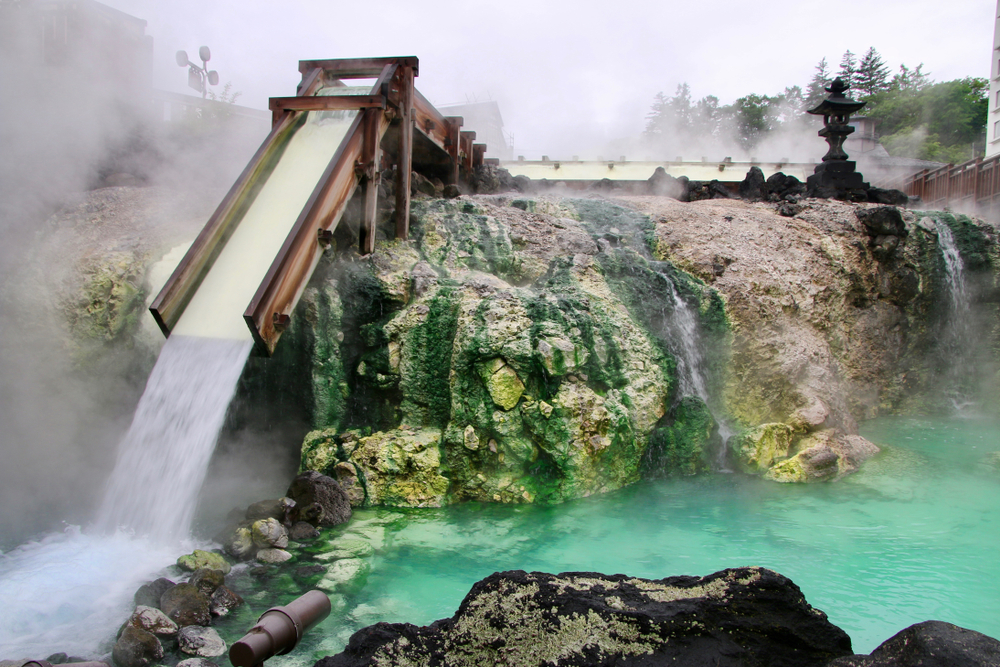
(197, 76)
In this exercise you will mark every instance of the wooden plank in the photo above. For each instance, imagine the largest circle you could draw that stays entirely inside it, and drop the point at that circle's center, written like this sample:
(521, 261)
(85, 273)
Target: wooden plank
(327, 103)
(312, 79)
(189, 274)
(478, 155)
(404, 162)
(272, 305)
(359, 68)
(370, 179)
(429, 121)
(466, 139)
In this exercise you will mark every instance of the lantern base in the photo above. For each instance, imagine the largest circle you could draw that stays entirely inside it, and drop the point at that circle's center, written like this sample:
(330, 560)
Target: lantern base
(837, 179)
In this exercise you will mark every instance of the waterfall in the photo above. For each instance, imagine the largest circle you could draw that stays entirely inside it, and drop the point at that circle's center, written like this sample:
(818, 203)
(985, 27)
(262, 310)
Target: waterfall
(684, 337)
(957, 335)
(163, 458)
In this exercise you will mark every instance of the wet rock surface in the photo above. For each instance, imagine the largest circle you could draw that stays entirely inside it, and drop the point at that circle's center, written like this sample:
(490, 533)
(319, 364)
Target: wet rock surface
(930, 644)
(136, 648)
(312, 489)
(743, 616)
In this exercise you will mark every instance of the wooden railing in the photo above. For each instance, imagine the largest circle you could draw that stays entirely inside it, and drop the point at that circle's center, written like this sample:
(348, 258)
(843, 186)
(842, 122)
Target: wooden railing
(972, 187)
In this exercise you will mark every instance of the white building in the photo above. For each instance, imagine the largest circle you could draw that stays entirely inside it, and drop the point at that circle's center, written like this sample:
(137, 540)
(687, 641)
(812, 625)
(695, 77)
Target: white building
(993, 119)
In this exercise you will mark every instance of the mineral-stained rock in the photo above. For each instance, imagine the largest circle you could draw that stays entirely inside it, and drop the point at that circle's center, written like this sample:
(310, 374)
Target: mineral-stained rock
(346, 474)
(224, 600)
(186, 605)
(302, 530)
(346, 575)
(930, 644)
(206, 580)
(239, 543)
(153, 621)
(136, 648)
(313, 487)
(758, 448)
(743, 616)
(346, 547)
(200, 642)
(402, 467)
(269, 533)
(149, 594)
(199, 559)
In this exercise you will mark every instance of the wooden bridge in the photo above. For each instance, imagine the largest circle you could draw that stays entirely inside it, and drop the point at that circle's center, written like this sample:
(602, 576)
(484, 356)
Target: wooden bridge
(972, 187)
(391, 124)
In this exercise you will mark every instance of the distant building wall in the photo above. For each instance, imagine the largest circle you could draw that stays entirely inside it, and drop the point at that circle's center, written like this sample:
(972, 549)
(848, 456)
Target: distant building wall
(993, 119)
(485, 120)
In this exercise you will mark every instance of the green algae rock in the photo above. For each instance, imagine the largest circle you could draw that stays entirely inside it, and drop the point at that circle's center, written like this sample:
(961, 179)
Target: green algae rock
(758, 448)
(402, 467)
(346, 576)
(683, 446)
(199, 559)
(502, 382)
(320, 451)
(346, 547)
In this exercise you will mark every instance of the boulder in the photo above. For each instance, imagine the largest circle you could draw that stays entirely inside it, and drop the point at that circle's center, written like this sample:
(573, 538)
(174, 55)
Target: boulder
(153, 621)
(268, 509)
(782, 187)
(149, 594)
(206, 580)
(741, 616)
(136, 648)
(239, 543)
(753, 187)
(346, 474)
(930, 644)
(200, 559)
(312, 487)
(268, 533)
(302, 530)
(200, 642)
(663, 184)
(223, 601)
(186, 605)
(273, 556)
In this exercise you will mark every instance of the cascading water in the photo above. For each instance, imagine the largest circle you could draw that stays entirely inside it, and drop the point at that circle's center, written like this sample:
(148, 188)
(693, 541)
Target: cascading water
(164, 456)
(683, 333)
(957, 337)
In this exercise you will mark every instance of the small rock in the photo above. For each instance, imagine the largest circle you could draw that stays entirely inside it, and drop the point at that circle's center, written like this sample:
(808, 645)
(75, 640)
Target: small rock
(223, 601)
(149, 594)
(199, 559)
(240, 543)
(545, 409)
(303, 531)
(451, 191)
(136, 648)
(273, 556)
(200, 642)
(269, 533)
(470, 439)
(206, 580)
(153, 621)
(186, 605)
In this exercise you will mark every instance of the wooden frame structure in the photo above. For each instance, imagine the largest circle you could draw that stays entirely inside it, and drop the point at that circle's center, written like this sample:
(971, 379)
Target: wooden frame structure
(973, 187)
(392, 104)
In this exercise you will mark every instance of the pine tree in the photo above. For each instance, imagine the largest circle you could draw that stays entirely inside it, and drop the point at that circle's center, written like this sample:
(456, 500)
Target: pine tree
(848, 68)
(872, 75)
(816, 90)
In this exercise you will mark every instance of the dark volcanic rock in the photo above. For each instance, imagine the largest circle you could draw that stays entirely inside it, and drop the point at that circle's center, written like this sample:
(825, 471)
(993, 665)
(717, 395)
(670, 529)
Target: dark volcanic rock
(664, 185)
(885, 228)
(753, 187)
(743, 616)
(136, 648)
(890, 197)
(781, 185)
(149, 594)
(488, 179)
(930, 644)
(207, 580)
(266, 509)
(312, 487)
(224, 600)
(186, 605)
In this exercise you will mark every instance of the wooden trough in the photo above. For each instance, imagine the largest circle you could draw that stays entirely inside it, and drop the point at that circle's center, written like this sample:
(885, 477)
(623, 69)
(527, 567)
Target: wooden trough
(395, 124)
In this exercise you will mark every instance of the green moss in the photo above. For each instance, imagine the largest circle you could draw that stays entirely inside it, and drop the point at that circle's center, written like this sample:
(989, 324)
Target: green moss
(429, 348)
(682, 445)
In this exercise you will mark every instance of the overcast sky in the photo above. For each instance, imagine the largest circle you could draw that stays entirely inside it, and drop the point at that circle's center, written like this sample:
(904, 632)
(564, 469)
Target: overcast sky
(567, 75)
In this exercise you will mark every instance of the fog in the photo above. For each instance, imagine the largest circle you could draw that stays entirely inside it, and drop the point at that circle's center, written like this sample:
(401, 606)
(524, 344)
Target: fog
(571, 79)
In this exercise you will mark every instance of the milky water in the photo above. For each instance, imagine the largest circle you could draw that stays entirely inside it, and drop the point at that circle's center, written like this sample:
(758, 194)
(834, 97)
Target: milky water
(913, 536)
(958, 339)
(163, 458)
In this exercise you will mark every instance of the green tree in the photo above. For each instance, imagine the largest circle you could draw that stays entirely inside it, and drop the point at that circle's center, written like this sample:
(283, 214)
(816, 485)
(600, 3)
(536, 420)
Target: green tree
(816, 90)
(848, 68)
(754, 116)
(872, 76)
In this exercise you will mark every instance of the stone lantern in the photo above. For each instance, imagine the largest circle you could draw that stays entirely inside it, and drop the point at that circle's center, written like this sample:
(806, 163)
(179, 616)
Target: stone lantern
(836, 176)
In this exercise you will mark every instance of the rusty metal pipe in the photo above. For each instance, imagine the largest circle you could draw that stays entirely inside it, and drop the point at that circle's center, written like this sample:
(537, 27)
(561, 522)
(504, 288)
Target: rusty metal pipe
(279, 630)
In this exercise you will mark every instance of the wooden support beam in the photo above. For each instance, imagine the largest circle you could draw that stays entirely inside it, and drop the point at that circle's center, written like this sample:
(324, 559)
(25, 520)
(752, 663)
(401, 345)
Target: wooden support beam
(429, 121)
(466, 150)
(312, 79)
(453, 146)
(327, 103)
(404, 163)
(358, 68)
(194, 266)
(370, 175)
(478, 155)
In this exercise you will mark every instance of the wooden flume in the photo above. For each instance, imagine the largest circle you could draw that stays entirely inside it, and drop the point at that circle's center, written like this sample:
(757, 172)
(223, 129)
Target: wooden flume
(395, 123)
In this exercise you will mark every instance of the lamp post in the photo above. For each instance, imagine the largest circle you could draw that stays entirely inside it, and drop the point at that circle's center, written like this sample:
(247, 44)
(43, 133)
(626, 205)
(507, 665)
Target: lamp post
(198, 76)
(836, 176)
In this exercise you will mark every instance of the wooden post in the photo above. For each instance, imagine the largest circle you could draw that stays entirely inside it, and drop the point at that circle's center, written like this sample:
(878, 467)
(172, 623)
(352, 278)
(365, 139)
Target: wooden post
(370, 181)
(454, 147)
(404, 164)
